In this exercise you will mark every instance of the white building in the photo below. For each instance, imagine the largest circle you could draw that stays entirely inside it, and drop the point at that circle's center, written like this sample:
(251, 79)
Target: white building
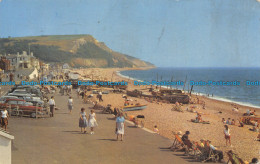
(23, 61)
(5, 147)
(65, 66)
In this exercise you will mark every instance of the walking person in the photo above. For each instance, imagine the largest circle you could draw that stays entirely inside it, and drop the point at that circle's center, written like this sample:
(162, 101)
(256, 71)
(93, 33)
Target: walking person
(4, 119)
(227, 135)
(70, 104)
(82, 93)
(92, 121)
(85, 97)
(66, 90)
(100, 96)
(11, 76)
(83, 120)
(52, 105)
(62, 90)
(120, 126)
(78, 91)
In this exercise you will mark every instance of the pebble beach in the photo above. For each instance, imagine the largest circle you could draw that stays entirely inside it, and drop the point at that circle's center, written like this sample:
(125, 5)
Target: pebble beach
(169, 121)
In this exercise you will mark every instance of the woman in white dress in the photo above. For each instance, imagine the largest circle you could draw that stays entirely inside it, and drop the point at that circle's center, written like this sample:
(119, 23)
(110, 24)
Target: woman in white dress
(92, 121)
(120, 126)
(70, 104)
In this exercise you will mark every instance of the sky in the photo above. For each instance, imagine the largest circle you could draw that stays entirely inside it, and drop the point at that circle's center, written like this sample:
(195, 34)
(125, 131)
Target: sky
(167, 33)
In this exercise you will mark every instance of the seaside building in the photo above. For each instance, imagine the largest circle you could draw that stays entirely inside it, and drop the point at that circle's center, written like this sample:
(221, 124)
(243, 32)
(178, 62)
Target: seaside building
(65, 66)
(22, 61)
(4, 64)
(5, 147)
(24, 65)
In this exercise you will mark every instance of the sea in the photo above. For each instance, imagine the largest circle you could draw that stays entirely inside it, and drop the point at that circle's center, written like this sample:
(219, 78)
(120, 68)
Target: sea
(238, 85)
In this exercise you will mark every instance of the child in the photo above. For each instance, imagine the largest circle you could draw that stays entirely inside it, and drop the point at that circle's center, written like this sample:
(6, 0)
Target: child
(228, 122)
(155, 129)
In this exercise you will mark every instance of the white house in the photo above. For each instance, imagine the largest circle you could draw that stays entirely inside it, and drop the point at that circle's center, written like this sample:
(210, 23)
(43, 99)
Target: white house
(34, 74)
(5, 147)
(65, 66)
(24, 60)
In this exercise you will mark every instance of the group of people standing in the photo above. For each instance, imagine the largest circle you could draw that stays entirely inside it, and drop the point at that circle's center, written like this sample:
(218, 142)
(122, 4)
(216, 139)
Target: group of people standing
(91, 120)
(85, 122)
(66, 89)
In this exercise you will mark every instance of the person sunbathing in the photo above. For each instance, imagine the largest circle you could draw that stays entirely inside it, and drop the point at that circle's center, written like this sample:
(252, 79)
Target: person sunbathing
(241, 124)
(126, 103)
(235, 109)
(255, 127)
(199, 118)
(228, 122)
(233, 122)
(258, 137)
(253, 113)
(248, 112)
(155, 129)
(177, 104)
(190, 110)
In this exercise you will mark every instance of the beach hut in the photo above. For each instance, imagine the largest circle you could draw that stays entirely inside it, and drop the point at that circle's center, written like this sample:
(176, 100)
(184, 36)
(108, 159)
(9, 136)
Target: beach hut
(5, 147)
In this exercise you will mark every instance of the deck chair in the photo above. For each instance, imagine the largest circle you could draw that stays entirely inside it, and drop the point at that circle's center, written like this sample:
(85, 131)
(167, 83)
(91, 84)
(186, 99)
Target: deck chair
(203, 153)
(189, 148)
(234, 158)
(198, 151)
(209, 154)
(177, 143)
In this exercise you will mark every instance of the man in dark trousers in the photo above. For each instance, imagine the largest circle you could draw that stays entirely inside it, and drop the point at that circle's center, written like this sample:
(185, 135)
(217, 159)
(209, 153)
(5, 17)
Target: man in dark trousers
(52, 105)
(11, 76)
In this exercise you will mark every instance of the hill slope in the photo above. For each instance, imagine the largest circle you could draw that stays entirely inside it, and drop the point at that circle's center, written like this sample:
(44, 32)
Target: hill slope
(77, 50)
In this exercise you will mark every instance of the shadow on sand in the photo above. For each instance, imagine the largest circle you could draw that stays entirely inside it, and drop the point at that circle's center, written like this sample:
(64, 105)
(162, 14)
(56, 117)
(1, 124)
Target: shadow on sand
(61, 113)
(131, 126)
(74, 132)
(108, 139)
(111, 118)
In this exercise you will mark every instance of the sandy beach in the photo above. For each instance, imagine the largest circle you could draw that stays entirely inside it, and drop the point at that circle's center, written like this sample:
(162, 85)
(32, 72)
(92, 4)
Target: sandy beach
(168, 121)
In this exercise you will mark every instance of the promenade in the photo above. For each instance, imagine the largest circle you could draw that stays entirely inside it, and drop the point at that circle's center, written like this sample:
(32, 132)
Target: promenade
(59, 140)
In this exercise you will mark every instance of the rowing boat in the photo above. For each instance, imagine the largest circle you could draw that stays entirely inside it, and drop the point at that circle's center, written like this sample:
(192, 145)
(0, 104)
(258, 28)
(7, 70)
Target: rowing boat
(134, 107)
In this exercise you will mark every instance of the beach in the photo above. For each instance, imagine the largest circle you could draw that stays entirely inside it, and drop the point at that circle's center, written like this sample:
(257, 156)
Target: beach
(168, 121)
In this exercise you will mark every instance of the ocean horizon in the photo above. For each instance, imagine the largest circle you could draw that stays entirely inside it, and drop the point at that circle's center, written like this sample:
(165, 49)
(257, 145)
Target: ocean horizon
(243, 94)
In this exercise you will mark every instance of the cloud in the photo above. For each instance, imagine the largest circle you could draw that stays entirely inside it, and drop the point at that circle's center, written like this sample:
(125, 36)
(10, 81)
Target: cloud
(258, 0)
(0, 0)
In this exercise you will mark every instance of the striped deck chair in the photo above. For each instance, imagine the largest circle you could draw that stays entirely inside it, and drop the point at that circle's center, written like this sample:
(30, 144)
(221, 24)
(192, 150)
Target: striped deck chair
(177, 143)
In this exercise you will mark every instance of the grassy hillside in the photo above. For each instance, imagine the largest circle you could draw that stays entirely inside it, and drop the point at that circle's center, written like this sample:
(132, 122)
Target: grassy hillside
(77, 50)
